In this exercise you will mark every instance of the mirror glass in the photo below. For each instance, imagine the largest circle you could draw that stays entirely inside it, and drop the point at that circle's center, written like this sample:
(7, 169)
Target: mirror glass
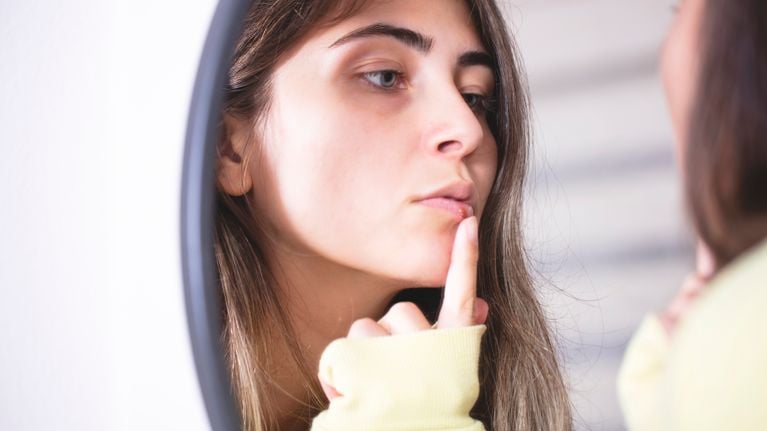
(347, 152)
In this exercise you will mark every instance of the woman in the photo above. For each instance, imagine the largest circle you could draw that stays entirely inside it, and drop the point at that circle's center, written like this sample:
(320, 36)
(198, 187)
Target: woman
(358, 136)
(701, 364)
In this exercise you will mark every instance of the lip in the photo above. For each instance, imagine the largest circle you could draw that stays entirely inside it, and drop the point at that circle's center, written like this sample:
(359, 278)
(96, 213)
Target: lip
(455, 198)
(457, 208)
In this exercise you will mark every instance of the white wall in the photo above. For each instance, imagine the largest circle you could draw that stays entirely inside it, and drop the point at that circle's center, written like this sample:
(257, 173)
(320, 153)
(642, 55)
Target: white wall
(93, 103)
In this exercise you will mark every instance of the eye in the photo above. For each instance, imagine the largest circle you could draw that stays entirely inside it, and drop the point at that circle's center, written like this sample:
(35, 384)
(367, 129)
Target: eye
(477, 102)
(386, 79)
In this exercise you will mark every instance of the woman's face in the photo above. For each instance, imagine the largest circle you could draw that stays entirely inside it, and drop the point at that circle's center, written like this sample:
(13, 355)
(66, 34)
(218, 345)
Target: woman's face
(375, 144)
(679, 65)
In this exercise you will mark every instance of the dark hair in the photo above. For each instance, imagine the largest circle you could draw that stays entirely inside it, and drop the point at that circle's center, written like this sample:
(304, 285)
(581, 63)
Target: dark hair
(726, 156)
(521, 383)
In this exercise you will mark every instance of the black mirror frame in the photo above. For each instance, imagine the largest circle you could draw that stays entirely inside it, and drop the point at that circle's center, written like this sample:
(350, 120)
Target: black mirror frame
(203, 308)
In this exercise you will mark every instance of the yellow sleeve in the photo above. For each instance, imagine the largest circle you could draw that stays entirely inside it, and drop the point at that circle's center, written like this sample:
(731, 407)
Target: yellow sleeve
(640, 376)
(426, 380)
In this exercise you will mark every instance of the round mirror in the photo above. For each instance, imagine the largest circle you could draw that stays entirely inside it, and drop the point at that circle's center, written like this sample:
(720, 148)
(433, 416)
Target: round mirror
(197, 209)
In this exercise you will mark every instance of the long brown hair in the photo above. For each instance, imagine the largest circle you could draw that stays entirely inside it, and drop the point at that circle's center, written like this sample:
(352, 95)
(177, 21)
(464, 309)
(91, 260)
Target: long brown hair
(521, 384)
(726, 156)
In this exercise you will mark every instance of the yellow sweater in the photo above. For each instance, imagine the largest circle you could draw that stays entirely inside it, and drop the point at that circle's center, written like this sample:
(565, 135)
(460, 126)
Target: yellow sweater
(415, 382)
(713, 374)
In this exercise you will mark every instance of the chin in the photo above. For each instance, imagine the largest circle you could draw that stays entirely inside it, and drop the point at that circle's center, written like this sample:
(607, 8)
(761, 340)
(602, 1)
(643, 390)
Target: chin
(428, 268)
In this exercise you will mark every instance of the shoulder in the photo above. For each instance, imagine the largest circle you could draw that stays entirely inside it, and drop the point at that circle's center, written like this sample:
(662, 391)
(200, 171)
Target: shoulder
(716, 375)
(734, 300)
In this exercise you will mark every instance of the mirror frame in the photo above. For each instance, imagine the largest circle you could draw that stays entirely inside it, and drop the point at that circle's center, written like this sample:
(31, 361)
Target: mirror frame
(201, 292)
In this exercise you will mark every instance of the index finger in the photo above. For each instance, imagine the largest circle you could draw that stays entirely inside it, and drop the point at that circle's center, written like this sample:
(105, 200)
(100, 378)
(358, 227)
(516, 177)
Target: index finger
(461, 283)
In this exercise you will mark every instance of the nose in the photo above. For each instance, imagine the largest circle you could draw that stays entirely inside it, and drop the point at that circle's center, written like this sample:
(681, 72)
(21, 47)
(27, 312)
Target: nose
(452, 129)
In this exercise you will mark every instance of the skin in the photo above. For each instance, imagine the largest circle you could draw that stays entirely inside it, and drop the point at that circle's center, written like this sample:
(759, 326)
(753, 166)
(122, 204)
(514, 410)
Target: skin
(338, 166)
(679, 65)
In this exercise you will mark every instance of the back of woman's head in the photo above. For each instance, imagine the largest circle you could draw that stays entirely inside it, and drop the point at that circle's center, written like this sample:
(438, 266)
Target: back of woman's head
(726, 156)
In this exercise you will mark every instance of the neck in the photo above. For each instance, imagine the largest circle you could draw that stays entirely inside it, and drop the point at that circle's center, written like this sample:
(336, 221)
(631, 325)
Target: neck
(322, 300)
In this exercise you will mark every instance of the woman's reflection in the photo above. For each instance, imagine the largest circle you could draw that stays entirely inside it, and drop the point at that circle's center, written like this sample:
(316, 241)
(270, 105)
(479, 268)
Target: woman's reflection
(359, 136)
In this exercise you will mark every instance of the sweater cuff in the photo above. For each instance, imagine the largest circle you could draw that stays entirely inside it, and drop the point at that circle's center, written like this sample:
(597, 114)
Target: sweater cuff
(426, 380)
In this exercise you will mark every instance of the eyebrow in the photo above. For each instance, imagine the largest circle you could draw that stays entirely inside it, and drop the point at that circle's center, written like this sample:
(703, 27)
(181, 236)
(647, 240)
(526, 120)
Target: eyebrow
(476, 58)
(415, 40)
(409, 37)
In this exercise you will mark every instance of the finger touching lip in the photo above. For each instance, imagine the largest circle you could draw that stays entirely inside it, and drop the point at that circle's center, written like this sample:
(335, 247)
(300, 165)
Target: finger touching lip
(460, 294)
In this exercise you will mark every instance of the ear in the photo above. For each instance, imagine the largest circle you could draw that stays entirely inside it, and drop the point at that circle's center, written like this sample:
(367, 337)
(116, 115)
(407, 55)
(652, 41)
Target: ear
(232, 174)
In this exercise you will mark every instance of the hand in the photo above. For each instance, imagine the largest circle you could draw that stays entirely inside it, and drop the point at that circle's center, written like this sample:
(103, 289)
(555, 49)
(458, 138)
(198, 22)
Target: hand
(460, 306)
(691, 288)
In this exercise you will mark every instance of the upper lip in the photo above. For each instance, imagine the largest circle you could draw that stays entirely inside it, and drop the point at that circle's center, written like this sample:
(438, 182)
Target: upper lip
(461, 191)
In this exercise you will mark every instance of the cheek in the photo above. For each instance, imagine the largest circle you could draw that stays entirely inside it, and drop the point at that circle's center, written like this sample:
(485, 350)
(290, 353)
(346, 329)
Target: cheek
(483, 167)
(675, 82)
(329, 171)
(679, 62)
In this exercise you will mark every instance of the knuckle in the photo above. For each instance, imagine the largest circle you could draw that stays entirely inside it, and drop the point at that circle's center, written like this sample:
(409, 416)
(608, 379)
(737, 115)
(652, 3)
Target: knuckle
(463, 308)
(404, 309)
(361, 325)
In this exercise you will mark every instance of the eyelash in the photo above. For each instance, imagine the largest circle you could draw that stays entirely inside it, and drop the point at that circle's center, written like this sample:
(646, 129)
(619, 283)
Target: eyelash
(482, 105)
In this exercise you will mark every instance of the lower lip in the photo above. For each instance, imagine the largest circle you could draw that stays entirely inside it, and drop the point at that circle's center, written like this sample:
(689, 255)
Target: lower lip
(460, 209)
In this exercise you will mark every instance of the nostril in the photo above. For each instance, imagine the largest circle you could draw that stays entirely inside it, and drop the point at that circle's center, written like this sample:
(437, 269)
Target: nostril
(448, 147)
